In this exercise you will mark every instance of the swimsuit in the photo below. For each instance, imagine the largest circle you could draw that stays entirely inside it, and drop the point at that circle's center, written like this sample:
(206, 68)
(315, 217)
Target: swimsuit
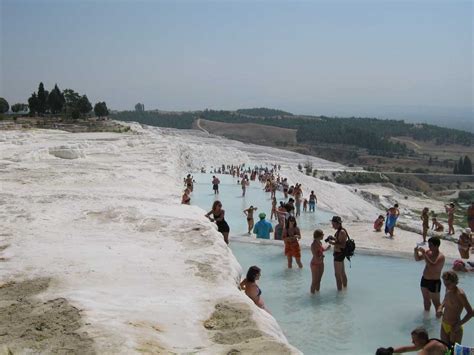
(222, 226)
(320, 255)
(448, 328)
(434, 286)
(339, 256)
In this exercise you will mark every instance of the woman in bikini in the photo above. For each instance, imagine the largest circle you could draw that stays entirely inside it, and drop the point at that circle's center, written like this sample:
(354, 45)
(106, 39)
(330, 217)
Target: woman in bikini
(274, 208)
(291, 235)
(436, 226)
(249, 285)
(317, 262)
(450, 209)
(218, 215)
(250, 221)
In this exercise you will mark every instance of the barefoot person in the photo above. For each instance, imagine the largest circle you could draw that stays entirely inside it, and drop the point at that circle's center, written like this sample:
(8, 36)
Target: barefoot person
(339, 241)
(218, 215)
(291, 235)
(436, 226)
(186, 199)
(392, 217)
(189, 182)
(421, 341)
(455, 301)
(450, 209)
(244, 183)
(430, 282)
(426, 222)
(249, 213)
(215, 185)
(317, 262)
(378, 224)
(274, 208)
(312, 201)
(465, 243)
(470, 216)
(249, 285)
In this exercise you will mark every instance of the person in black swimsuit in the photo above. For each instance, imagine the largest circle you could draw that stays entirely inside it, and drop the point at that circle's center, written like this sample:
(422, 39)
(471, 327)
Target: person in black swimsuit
(218, 215)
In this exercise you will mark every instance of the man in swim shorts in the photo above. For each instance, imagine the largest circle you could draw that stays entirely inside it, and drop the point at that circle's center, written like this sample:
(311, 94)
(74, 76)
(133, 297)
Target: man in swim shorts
(430, 282)
(339, 241)
(215, 185)
(455, 301)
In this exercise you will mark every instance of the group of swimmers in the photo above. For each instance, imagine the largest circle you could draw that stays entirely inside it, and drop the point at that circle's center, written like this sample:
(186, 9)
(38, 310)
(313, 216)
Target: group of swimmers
(450, 310)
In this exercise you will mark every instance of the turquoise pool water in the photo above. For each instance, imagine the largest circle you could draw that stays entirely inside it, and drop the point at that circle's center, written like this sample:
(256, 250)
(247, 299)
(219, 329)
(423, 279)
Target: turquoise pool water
(230, 194)
(380, 308)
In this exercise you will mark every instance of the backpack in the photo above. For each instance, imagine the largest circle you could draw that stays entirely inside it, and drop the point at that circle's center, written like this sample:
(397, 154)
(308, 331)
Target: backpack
(350, 246)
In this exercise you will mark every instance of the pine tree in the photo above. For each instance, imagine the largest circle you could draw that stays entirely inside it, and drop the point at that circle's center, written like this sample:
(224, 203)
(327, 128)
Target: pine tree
(56, 100)
(33, 104)
(42, 99)
(456, 169)
(461, 166)
(467, 166)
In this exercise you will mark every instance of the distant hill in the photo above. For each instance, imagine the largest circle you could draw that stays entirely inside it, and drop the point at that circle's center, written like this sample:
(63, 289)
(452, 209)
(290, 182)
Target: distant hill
(374, 135)
(263, 112)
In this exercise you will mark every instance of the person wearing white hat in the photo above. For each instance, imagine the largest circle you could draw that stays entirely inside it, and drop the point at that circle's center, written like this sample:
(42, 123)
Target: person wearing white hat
(465, 243)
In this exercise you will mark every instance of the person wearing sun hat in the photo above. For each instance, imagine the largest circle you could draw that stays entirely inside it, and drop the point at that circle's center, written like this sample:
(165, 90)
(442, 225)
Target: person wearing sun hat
(339, 242)
(263, 228)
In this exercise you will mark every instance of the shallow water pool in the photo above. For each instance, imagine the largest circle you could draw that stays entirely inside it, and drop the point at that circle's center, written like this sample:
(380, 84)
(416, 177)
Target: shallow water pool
(230, 194)
(380, 307)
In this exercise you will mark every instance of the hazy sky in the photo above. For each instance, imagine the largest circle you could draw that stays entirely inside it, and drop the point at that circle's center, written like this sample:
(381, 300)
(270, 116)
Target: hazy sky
(379, 58)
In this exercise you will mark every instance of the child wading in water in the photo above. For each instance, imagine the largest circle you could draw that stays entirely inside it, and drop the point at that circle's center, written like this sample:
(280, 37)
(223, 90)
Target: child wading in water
(317, 263)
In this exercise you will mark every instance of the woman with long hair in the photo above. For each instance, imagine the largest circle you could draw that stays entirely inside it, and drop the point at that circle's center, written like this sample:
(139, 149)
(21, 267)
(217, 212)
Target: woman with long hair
(291, 235)
(249, 285)
(218, 215)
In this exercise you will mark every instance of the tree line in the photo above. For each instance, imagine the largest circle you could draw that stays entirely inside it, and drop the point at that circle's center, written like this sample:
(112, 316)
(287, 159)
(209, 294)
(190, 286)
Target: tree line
(463, 166)
(54, 102)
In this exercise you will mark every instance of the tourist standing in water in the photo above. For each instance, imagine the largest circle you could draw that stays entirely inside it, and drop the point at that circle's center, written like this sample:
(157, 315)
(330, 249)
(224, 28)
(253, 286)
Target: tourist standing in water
(339, 241)
(392, 217)
(218, 216)
(291, 235)
(250, 221)
(263, 228)
(249, 285)
(285, 186)
(317, 262)
(470, 216)
(312, 201)
(298, 194)
(465, 243)
(425, 223)
(431, 280)
(274, 208)
(215, 185)
(244, 183)
(455, 301)
(450, 209)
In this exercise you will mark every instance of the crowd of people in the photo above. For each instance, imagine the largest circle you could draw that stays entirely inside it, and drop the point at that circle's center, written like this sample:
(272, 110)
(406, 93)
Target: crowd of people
(286, 229)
